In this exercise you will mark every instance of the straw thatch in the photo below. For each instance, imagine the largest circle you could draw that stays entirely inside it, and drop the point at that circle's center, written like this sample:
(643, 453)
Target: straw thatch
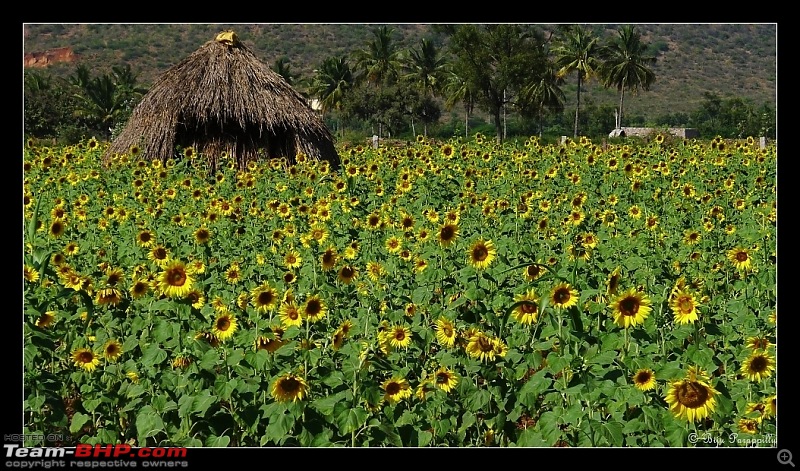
(221, 100)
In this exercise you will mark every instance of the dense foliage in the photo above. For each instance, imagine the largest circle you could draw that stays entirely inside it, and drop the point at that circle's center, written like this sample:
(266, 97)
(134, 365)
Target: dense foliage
(434, 293)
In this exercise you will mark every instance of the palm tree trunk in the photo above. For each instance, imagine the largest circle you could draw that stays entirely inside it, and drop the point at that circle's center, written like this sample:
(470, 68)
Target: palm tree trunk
(578, 105)
(621, 101)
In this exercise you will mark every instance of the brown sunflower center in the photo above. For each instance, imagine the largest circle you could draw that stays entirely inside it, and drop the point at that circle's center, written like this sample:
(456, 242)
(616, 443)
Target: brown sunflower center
(561, 295)
(685, 304)
(399, 335)
(265, 297)
(392, 388)
(347, 272)
(447, 233)
(759, 364)
(160, 253)
(290, 385)
(528, 307)
(176, 277)
(85, 357)
(485, 345)
(480, 253)
(223, 324)
(741, 256)
(692, 394)
(313, 308)
(447, 330)
(442, 378)
(629, 306)
(643, 377)
(533, 270)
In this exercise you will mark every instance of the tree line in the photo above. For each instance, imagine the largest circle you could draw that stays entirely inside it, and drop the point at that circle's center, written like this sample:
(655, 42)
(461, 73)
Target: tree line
(515, 74)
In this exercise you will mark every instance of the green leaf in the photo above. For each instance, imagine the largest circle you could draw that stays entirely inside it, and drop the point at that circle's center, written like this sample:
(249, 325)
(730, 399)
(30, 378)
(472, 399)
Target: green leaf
(603, 358)
(326, 405)
(613, 431)
(153, 355)
(79, 419)
(424, 438)
(279, 428)
(218, 442)
(202, 402)
(530, 437)
(478, 400)
(210, 360)
(148, 424)
(351, 419)
(538, 383)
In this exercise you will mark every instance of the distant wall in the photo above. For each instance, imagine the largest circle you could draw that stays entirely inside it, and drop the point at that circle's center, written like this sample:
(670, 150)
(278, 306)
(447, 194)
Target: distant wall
(688, 133)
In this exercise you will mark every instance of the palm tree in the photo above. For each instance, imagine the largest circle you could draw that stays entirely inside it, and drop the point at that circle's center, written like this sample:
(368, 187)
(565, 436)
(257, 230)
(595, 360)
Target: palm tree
(544, 94)
(458, 90)
(380, 62)
(102, 103)
(425, 68)
(331, 82)
(626, 65)
(577, 52)
(282, 67)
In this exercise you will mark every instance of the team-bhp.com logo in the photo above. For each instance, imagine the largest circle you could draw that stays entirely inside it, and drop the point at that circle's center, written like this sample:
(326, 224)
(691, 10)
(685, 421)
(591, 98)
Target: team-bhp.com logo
(93, 456)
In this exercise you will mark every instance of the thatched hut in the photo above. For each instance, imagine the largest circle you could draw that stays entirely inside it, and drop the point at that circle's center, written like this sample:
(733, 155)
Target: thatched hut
(221, 100)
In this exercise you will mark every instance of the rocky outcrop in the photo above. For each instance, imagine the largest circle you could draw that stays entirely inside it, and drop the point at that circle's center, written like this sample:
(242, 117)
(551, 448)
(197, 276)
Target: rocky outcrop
(43, 59)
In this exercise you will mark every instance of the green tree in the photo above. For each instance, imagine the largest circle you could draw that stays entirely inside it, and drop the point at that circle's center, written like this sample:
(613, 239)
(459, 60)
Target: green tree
(543, 94)
(47, 106)
(426, 69)
(496, 61)
(331, 82)
(380, 62)
(282, 67)
(458, 90)
(577, 51)
(626, 65)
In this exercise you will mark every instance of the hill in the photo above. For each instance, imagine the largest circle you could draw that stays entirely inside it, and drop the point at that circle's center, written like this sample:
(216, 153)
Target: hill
(730, 60)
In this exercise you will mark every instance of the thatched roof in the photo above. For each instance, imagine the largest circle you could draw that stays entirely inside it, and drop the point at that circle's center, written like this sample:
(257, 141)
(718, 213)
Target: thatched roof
(222, 99)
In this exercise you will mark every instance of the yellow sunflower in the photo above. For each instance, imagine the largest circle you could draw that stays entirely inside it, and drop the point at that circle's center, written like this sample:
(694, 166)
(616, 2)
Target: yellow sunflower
(759, 365)
(481, 346)
(314, 308)
(691, 398)
(631, 308)
(175, 281)
(528, 312)
(112, 350)
(400, 336)
(740, 258)
(445, 379)
(445, 332)
(289, 387)
(447, 234)
(85, 358)
(290, 315)
(684, 307)
(265, 298)
(644, 379)
(292, 259)
(533, 271)
(396, 389)
(224, 325)
(481, 254)
(347, 274)
(563, 296)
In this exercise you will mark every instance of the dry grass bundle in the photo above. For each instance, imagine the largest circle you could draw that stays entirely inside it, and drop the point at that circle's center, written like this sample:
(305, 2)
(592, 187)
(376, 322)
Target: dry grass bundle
(221, 100)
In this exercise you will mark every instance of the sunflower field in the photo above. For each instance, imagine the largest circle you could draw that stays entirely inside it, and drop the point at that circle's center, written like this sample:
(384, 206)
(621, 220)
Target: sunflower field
(459, 293)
